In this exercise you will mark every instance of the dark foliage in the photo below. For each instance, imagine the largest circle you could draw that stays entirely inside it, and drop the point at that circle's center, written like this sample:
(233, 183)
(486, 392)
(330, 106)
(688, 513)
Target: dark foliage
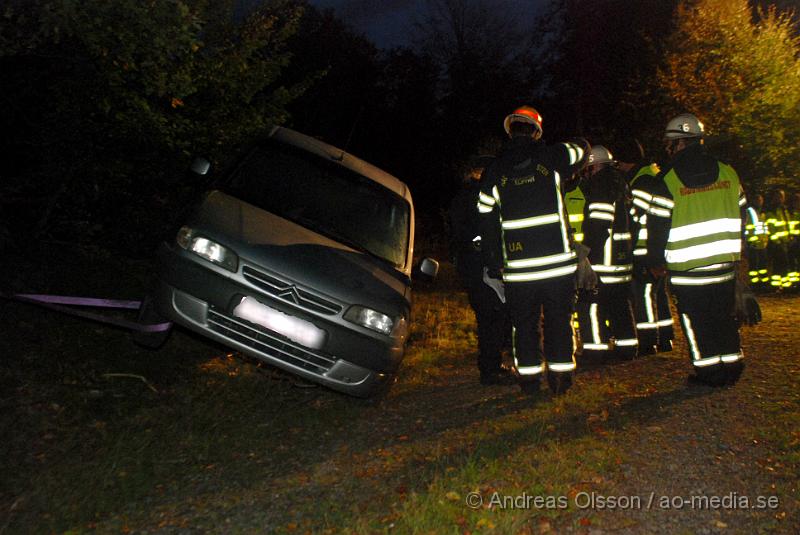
(107, 102)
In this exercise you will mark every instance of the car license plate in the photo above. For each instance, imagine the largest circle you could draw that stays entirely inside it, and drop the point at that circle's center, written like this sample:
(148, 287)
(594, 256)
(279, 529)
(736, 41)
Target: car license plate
(295, 329)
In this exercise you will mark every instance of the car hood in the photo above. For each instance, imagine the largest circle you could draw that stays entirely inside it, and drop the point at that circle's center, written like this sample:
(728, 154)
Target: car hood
(291, 251)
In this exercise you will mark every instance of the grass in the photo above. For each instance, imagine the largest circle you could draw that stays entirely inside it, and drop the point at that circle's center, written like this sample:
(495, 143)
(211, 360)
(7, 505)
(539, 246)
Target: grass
(442, 334)
(102, 442)
(225, 444)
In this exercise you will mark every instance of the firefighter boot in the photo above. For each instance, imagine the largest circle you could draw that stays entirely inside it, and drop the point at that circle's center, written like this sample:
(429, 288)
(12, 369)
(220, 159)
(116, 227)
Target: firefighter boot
(733, 371)
(647, 349)
(711, 376)
(593, 358)
(623, 353)
(559, 382)
(500, 376)
(530, 386)
(664, 346)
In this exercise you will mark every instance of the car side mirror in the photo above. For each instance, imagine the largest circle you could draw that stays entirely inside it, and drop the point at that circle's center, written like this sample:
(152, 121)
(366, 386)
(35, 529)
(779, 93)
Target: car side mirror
(200, 166)
(429, 268)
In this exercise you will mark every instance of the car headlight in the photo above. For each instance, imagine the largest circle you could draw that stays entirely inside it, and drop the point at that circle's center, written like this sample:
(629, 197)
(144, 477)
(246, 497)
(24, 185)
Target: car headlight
(371, 319)
(208, 249)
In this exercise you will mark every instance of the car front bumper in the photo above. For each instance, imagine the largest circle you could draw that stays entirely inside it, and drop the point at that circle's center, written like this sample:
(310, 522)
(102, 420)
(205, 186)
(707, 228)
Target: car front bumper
(201, 299)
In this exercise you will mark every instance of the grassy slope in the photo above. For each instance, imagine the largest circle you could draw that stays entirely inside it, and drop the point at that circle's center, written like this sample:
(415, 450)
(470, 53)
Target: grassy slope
(224, 444)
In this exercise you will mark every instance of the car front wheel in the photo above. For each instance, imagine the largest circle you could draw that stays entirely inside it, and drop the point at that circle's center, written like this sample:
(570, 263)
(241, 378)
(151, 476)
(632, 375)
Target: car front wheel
(148, 315)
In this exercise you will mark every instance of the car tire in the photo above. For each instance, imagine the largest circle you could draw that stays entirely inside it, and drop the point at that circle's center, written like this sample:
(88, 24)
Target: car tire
(148, 315)
(377, 396)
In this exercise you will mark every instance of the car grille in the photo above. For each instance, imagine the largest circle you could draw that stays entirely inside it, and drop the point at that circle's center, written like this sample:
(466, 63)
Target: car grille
(289, 293)
(268, 342)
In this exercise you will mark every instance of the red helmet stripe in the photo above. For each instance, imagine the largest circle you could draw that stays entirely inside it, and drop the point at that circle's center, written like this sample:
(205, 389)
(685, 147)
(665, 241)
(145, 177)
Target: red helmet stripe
(527, 112)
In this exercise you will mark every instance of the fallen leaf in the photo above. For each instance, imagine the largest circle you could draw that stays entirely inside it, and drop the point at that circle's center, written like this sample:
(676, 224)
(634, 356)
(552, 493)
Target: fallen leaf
(485, 523)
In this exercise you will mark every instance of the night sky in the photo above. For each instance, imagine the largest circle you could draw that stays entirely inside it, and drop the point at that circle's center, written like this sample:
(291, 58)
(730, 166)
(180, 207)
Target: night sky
(390, 23)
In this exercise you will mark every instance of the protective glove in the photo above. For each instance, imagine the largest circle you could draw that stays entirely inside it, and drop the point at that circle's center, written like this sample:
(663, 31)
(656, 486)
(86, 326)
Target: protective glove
(642, 275)
(747, 310)
(657, 272)
(586, 278)
(495, 283)
(584, 144)
(581, 250)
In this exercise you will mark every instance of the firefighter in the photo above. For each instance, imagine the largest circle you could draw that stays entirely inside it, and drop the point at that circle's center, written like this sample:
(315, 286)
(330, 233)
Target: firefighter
(465, 247)
(757, 239)
(606, 320)
(654, 324)
(793, 207)
(575, 201)
(521, 197)
(694, 227)
(777, 220)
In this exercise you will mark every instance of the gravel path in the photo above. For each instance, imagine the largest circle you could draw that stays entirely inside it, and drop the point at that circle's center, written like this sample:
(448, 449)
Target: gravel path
(705, 460)
(698, 460)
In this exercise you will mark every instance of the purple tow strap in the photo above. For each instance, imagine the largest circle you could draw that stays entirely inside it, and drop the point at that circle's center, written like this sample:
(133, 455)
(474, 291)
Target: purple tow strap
(80, 301)
(55, 302)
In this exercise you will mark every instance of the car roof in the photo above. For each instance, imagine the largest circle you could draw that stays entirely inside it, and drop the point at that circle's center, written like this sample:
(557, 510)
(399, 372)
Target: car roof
(334, 154)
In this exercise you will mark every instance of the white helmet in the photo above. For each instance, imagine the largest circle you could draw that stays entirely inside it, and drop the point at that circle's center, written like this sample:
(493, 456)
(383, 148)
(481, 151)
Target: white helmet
(684, 125)
(599, 155)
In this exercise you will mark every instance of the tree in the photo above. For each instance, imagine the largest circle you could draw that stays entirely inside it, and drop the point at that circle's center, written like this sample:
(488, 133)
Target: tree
(379, 105)
(484, 72)
(405, 119)
(348, 70)
(112, 97)
(742, 78)
(599, 59)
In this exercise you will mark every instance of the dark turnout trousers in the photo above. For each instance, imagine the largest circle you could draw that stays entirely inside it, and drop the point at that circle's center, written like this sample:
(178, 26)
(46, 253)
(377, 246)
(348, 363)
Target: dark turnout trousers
(708, 322)
(541, 313)
(653, 316)
(492, 321)
(605, 315)
(666, 330)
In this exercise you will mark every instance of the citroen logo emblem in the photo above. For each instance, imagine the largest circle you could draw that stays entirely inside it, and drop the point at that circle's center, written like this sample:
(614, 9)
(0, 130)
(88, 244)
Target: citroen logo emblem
(290, 294)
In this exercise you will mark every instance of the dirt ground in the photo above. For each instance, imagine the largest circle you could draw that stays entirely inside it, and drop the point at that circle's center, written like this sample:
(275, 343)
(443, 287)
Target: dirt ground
(100, 437)
(700, 458)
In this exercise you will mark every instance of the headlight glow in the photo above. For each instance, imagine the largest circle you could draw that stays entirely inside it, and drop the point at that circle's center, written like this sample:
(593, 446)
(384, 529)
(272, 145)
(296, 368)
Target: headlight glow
(211, 250)
(371, 319)
(208, 249)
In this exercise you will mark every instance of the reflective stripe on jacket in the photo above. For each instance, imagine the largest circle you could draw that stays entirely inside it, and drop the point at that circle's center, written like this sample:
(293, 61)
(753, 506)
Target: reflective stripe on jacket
(575, 202)
(777, 221)
(706, 225)
(641, 184)
(521, 192)
(756, 231)
(794, 223)
(607, 227)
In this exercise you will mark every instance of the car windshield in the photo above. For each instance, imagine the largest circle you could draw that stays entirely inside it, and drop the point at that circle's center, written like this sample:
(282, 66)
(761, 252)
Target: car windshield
(326, 198)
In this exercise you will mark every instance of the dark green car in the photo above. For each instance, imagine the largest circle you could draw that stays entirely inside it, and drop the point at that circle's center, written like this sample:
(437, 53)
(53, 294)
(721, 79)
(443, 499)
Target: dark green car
(301, 257)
